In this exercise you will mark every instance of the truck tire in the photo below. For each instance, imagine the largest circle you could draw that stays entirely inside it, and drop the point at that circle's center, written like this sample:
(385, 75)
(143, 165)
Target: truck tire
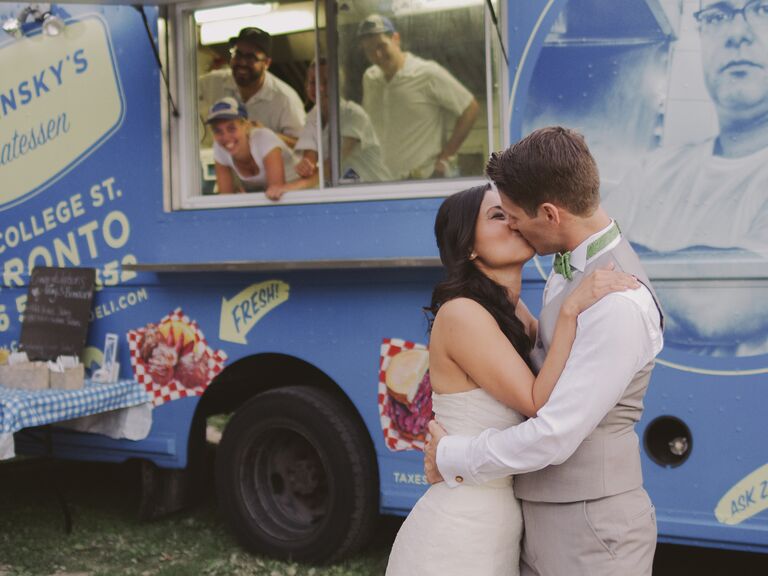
(296, 476)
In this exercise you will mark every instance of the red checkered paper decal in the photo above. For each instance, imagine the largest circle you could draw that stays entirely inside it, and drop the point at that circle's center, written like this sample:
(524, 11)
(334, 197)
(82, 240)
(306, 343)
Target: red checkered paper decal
(404, 422)
(172, 358)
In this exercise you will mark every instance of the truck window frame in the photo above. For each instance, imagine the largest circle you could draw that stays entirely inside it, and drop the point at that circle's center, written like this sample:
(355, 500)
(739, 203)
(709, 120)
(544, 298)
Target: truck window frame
(183, 185)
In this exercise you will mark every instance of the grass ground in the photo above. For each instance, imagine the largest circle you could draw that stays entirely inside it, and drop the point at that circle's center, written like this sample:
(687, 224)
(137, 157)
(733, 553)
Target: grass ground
(108, 539)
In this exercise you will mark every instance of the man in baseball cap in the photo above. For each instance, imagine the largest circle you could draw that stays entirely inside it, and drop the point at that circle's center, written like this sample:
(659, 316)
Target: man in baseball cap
(413, 104)
(255, 37)
(375, 24)
(270, 102)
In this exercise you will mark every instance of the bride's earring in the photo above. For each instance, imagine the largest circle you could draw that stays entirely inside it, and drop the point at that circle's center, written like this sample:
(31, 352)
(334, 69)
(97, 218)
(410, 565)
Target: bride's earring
(473, 255)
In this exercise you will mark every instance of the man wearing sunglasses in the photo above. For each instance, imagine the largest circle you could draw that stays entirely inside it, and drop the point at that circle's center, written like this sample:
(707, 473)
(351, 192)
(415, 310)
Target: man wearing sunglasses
(270, 102)
(686, 202)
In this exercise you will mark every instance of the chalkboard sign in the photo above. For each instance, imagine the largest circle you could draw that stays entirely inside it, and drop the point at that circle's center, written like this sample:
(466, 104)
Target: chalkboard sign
(57, 312)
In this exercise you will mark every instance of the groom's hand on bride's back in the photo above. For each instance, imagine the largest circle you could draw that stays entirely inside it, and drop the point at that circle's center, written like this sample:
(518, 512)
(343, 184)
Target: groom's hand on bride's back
(436, 432)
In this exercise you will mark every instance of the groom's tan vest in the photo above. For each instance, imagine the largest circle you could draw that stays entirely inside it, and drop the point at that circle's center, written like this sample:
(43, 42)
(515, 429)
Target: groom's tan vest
(608, 461)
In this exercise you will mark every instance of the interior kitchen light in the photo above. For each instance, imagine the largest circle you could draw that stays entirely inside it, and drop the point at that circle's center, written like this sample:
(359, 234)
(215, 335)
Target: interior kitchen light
(422, 6)
(231, 12)
(275, 22)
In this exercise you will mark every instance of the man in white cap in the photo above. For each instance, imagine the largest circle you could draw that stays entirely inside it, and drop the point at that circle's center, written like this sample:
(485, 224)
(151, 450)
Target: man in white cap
(270, 102)
(413, 104)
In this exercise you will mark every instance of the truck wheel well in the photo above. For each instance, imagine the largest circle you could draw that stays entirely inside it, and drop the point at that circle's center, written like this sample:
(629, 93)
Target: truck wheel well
(255, 374)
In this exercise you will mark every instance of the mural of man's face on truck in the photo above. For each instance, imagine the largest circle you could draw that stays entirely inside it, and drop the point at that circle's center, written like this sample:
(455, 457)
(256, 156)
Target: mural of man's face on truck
(683, 153)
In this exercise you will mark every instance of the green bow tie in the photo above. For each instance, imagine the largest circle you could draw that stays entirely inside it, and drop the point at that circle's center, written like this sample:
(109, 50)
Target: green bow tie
(563, 265)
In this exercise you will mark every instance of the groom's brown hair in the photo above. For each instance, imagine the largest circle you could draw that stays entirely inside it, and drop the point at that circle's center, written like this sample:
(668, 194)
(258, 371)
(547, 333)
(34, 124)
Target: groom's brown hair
(551, 164)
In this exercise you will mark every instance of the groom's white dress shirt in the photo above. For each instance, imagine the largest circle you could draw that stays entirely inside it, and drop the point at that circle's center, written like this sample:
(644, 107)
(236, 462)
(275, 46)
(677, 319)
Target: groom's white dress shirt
(615, 338)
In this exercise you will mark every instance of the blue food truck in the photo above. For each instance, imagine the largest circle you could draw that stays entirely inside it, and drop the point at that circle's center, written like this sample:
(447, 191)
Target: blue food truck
(301, 318)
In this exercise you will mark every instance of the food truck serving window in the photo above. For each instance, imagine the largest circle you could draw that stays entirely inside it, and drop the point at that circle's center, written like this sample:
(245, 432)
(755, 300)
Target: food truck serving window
(283, 102)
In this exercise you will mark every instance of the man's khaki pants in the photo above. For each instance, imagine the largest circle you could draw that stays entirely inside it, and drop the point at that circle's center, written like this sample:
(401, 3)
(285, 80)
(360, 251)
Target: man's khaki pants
(612, 536)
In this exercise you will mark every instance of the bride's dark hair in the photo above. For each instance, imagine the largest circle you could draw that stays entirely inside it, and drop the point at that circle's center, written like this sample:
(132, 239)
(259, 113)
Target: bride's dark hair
(455, 226)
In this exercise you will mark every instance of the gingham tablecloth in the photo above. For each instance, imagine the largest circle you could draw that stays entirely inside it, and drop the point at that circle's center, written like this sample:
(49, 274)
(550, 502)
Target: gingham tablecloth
(27, 408)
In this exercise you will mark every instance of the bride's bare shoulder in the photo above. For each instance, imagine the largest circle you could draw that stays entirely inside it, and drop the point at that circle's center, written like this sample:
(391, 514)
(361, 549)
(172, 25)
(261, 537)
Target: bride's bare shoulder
(460, 310)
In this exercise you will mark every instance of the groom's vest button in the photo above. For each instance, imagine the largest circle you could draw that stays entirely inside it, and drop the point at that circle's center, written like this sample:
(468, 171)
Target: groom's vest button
(459, 479)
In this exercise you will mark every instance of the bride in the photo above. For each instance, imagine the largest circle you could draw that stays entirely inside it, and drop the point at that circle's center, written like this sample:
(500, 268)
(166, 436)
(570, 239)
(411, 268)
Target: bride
(481, 377)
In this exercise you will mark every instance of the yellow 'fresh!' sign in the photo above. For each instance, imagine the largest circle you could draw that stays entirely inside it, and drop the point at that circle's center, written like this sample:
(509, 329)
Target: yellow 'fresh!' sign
(57, 105)
(748, 497)
(241, 313)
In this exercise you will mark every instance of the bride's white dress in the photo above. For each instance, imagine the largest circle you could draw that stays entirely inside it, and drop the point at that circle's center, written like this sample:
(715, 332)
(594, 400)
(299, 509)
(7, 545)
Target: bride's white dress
(467, 530)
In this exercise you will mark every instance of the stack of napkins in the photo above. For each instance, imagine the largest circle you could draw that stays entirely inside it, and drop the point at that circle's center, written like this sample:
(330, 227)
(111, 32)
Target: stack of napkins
(19, 372)
(65, 373)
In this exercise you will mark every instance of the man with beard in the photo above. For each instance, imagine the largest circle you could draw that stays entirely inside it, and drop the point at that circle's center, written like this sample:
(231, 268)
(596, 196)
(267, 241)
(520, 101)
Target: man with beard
(270, 102)
(683, 203)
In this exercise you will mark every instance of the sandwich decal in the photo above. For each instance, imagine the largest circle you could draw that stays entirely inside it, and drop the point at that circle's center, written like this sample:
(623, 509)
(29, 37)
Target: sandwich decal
(405, 394)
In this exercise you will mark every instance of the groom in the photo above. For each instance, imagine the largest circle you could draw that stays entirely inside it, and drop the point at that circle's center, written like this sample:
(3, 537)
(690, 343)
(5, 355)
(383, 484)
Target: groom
(577, 462)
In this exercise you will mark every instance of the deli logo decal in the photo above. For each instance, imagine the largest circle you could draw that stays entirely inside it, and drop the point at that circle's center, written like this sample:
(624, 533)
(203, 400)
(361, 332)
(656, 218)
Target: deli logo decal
(60, 98)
